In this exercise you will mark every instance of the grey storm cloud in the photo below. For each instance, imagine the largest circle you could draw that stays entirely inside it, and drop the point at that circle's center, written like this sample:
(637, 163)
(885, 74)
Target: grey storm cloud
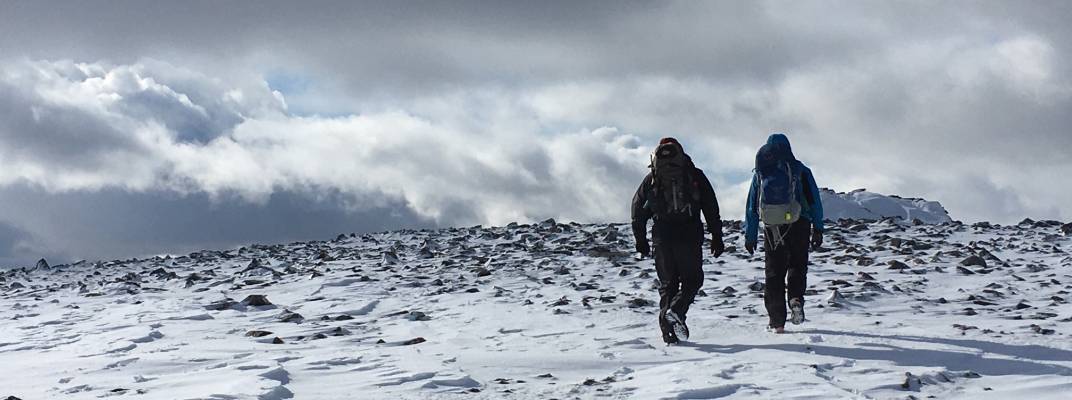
(442, 113)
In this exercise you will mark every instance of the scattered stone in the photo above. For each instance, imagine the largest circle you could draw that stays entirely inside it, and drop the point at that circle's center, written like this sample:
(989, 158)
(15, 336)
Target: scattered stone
(416, 340)
(418, 316)
(481, 272)
(324, 256)
(911, 382)
(1022, 305)
(389, 258)
(256, 300)
(639, 303)
(973, 261)
(1042, 331)
(258, 333)
(835, 297)
(277, 340)
(221, 305)
(290, 316)
(897, 265)
(757, 286)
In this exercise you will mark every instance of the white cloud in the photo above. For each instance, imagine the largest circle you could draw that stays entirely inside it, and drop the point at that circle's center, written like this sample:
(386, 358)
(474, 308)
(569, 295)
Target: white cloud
(495, 155)
(496, 171)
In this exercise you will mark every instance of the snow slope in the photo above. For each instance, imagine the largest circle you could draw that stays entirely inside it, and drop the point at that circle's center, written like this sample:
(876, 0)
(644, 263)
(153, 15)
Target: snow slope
(546, 311)
(861, 204)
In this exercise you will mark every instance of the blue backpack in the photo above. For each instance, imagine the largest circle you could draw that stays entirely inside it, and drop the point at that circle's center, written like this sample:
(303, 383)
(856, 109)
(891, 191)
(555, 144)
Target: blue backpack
(775, 167)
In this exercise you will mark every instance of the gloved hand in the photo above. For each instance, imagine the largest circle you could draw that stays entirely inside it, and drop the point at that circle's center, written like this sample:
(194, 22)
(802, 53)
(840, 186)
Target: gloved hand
(816, 240)
(717, 247)
(643, 248)
(751, 247)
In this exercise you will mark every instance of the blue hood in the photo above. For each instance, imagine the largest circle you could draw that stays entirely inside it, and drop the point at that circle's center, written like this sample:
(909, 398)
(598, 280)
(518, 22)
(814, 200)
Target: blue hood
(779, 138)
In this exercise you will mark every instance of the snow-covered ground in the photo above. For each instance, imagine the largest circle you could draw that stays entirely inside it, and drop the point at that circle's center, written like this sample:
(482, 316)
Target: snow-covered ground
(547, 311)
(861, 204)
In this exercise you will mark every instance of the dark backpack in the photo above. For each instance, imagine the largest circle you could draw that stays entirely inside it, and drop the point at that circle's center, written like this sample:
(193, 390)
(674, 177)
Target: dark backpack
(675, 197)
(778, 179)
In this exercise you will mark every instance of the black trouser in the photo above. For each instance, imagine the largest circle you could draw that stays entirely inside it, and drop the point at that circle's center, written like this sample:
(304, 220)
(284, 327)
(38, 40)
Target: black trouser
(786, 262)
(680, 268)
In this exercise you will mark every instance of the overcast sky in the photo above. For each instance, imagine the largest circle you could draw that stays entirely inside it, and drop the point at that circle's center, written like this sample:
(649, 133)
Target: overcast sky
(134, 128)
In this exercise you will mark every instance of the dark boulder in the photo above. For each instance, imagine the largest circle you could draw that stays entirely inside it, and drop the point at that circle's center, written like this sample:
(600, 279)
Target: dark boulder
(973, 261)
(290, 316)
(416, 340)
(256, 300)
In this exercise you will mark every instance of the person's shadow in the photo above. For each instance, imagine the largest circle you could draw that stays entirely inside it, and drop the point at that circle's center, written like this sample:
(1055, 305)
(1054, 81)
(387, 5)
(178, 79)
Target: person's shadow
(1028, 359)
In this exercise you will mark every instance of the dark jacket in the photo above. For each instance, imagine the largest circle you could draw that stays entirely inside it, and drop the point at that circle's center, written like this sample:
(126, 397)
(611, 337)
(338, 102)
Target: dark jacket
(693, 230)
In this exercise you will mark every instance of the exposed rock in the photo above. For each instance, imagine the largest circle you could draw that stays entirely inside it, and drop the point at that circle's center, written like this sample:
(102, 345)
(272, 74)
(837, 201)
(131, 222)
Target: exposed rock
(973, 261)
(290, 316)
(256, 300)
(835, 297)
(221, 305)
(416, 340)
(639, 303)
(389, 258)
(897, 265)
(258, 333)
(1042, 331)
(417, 316)
(757, 286)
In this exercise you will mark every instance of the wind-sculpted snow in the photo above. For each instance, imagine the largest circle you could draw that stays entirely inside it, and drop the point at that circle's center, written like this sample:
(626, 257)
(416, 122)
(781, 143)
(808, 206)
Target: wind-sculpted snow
(861, 204)
(547, 311)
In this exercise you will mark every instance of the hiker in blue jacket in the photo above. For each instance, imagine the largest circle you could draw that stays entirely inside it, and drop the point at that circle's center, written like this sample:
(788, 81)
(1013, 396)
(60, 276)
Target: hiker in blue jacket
(785, 198)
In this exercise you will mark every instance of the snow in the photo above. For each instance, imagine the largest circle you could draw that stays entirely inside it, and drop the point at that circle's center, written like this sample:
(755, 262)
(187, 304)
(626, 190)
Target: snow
(557, 317)
(861, 204)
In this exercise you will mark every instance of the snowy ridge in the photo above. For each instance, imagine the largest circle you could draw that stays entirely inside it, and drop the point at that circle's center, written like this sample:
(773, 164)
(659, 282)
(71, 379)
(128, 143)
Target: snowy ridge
(861, 204)
(547, 311)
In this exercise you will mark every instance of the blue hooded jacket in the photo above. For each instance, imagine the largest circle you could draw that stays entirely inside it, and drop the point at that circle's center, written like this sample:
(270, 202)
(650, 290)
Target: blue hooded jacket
(811, 205)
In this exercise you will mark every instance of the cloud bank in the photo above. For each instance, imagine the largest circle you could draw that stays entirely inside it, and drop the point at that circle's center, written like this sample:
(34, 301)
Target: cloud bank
(378, 117)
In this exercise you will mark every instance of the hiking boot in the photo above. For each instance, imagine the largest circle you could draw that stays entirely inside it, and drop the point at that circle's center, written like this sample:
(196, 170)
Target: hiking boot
(678, 324)
(796, 307)
(667, 329)
(670, 338)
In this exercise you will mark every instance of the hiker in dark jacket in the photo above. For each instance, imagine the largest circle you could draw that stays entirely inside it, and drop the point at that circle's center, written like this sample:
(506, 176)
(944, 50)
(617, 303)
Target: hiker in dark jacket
(788, 231)
(674, 194)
